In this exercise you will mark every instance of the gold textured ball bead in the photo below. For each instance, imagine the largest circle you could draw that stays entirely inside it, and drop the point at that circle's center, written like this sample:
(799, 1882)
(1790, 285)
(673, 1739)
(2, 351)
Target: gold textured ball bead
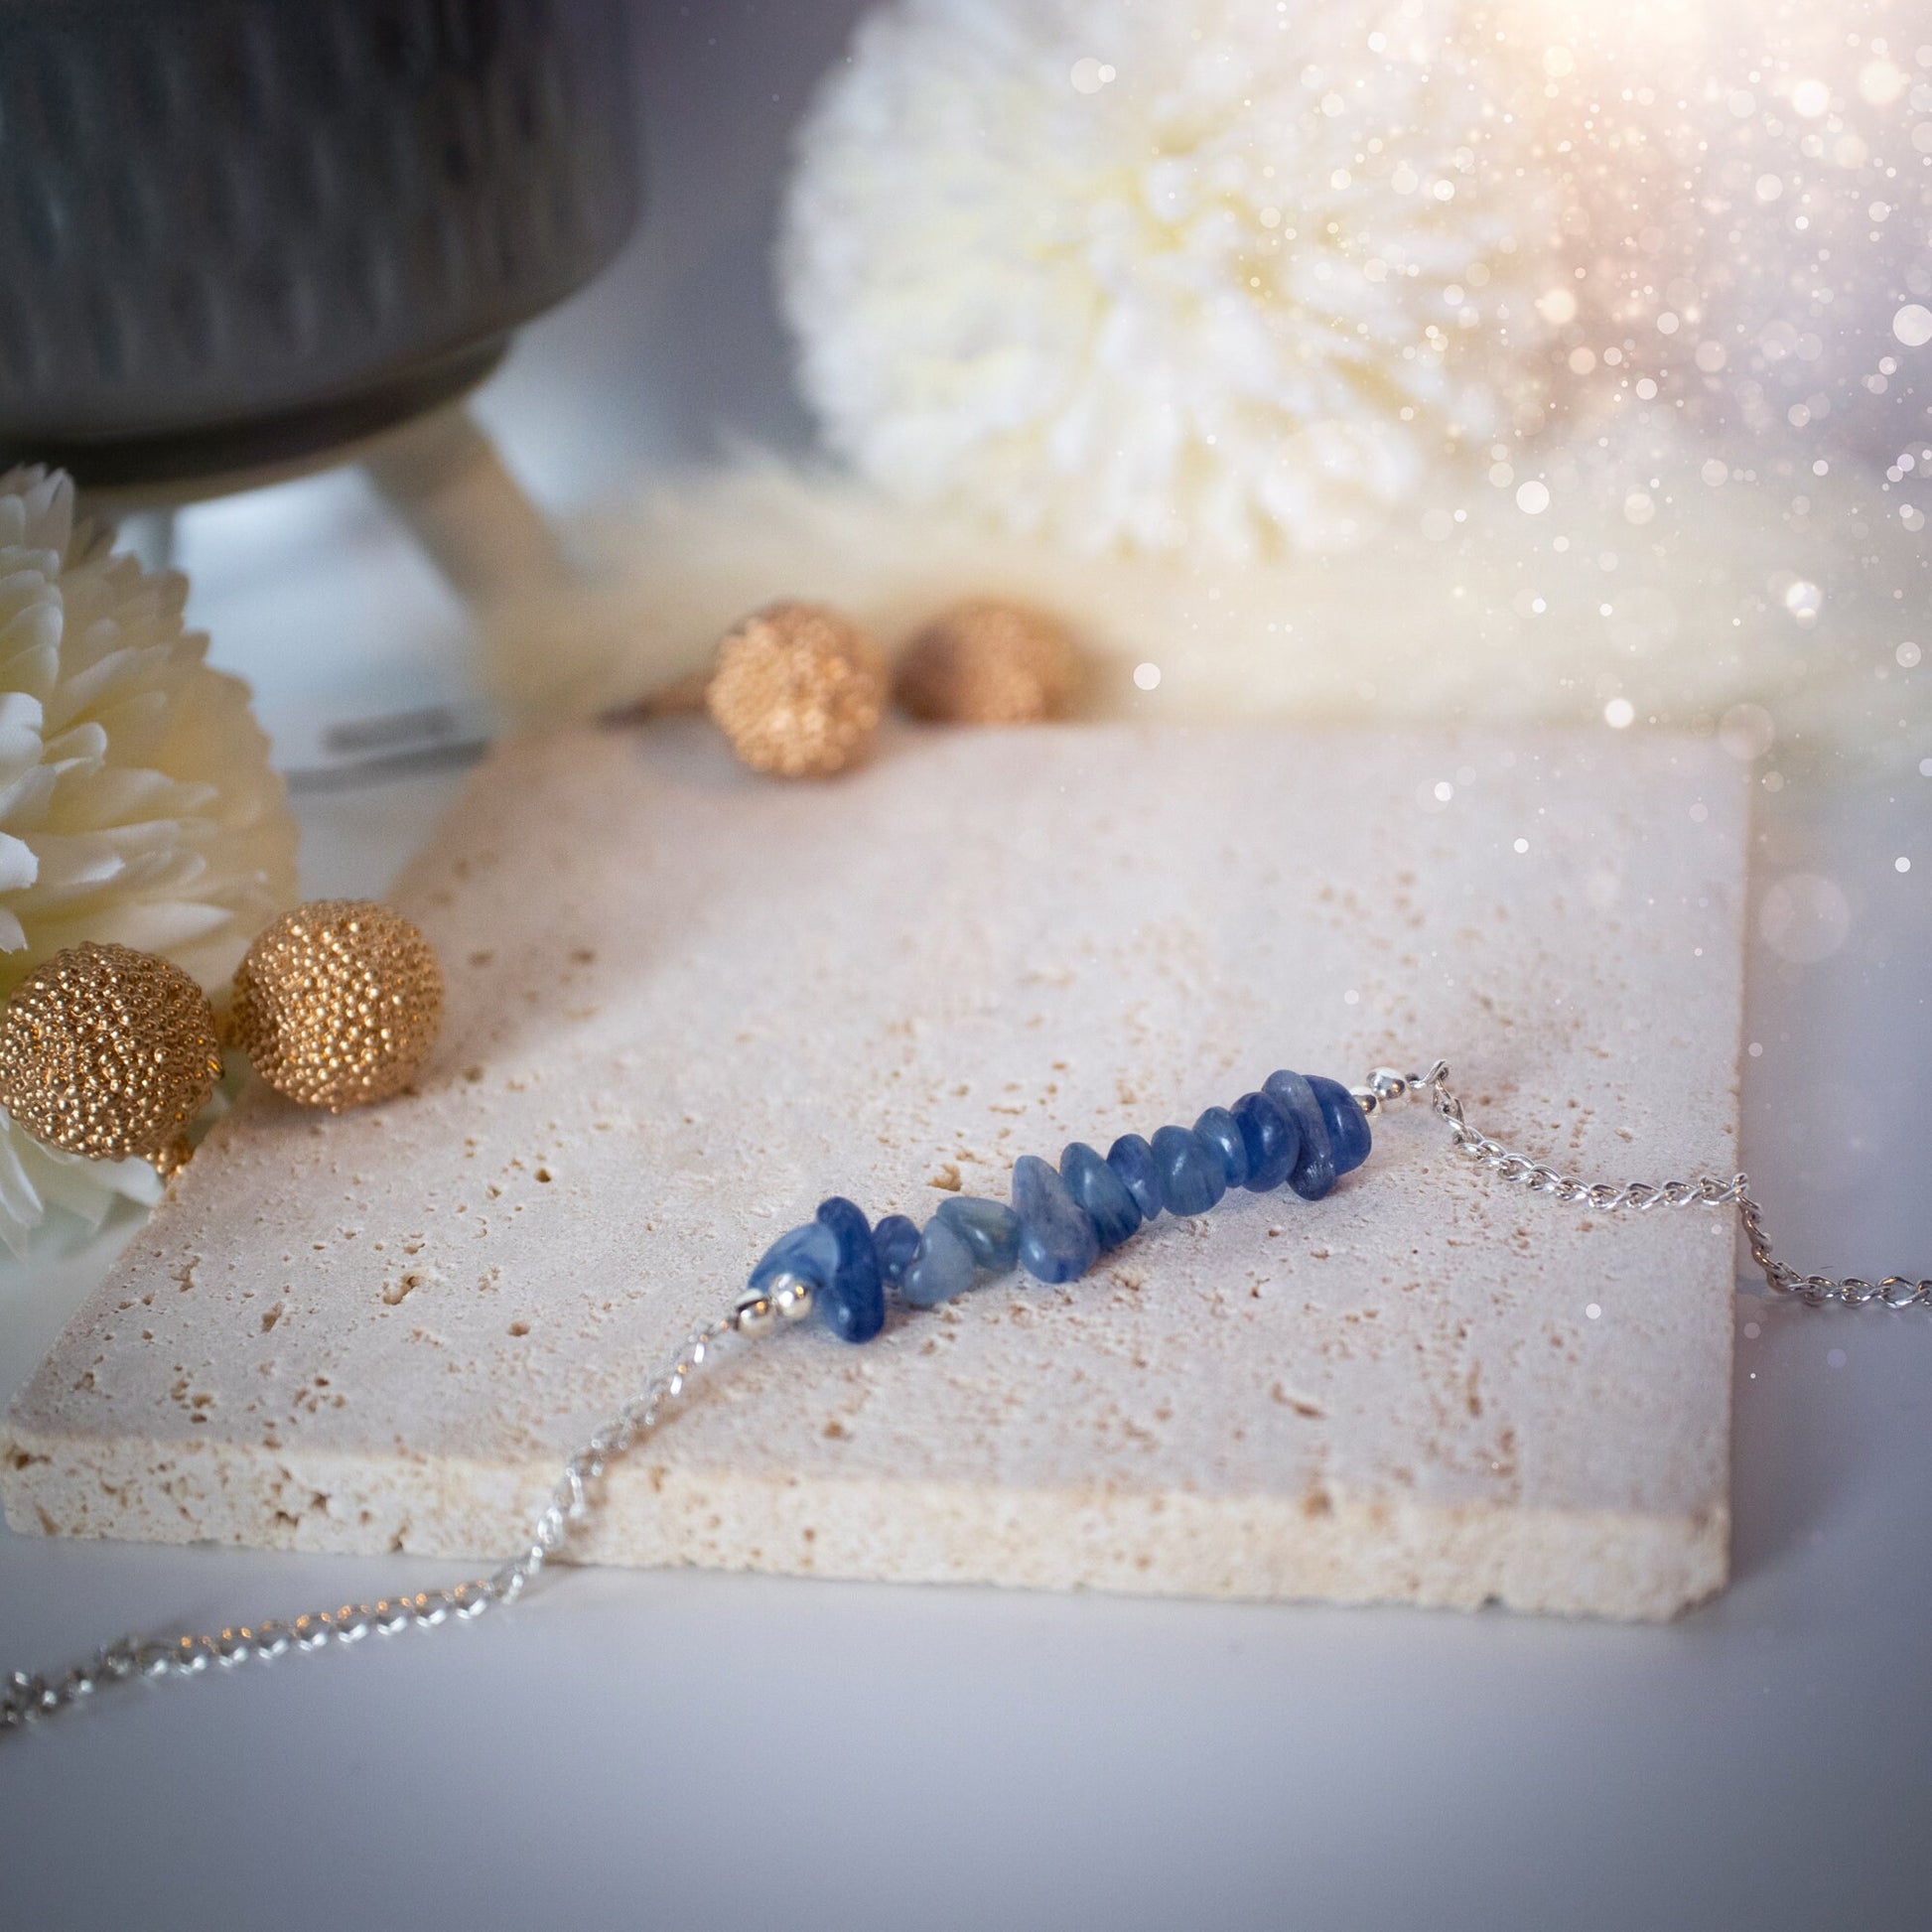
(338, 1003)
(990, 662)
(109, 1052)
(798, 689)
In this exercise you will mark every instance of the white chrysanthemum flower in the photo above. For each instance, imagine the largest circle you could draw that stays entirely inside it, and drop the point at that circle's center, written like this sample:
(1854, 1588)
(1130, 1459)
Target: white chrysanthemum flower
(1142, 276)
(136, 799)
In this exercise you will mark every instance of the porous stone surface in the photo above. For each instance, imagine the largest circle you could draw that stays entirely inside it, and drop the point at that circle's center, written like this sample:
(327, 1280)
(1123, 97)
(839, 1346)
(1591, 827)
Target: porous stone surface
(685, 1004)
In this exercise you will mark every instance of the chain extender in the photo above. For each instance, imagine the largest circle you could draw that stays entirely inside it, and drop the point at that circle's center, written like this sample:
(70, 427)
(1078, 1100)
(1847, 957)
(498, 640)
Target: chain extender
(25, 1699)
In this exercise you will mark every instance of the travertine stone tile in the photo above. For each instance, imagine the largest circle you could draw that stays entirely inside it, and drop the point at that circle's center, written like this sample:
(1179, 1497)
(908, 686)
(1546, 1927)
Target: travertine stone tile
(686, 1003)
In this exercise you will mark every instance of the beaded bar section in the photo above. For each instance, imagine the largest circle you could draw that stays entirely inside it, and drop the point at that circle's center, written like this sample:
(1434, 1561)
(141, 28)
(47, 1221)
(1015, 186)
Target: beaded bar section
(1301, 1131)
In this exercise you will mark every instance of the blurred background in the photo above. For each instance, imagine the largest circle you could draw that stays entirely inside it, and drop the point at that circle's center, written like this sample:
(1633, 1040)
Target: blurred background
(1717, 262)
(356, 643)
(676, 356)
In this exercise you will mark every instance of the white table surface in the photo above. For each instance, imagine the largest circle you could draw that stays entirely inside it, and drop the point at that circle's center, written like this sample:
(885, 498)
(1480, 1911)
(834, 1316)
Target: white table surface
(632, 1749)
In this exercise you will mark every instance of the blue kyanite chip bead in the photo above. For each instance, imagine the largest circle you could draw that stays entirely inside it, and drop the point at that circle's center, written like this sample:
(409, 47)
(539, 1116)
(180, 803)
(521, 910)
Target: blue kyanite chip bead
(894, 1240)
(1313, 1172)
(942, 1269)
(1191, 1176)
(1270, 1138)
(811, 1253)
(990, 1228)
(853, 1299)
(1057, 1238)
(1100, 1192)
(1222, 1132)
(1132, 1159)
(1349, 1136)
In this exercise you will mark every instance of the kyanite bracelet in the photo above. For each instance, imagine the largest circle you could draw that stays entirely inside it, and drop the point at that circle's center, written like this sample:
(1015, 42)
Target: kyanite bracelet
(1306, 1132)
(1303, 1130)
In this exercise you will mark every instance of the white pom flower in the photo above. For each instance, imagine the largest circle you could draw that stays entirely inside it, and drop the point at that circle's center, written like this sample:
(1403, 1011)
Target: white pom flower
(136, 799)
(1215, 270)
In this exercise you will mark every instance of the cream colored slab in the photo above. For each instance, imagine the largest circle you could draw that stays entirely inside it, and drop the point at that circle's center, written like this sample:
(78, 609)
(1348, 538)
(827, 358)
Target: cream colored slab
(685, 1004)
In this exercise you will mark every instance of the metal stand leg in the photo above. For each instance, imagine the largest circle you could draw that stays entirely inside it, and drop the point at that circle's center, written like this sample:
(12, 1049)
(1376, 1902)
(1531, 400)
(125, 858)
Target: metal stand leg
(443, 478)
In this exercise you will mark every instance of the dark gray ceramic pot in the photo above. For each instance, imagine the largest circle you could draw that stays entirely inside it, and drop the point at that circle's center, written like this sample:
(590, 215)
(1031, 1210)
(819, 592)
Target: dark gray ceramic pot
(235, 233)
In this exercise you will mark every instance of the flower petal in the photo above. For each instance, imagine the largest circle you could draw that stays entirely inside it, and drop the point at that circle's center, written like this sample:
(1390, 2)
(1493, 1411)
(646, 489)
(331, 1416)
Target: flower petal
(18, 868)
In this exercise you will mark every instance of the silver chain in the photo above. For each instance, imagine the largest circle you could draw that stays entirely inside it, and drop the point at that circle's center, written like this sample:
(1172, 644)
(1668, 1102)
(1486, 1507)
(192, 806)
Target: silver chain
(24, 1699)
(1387, 1089)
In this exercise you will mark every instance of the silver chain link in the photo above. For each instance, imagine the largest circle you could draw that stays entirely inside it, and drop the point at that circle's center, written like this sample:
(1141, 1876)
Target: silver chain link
(25, 1699)
(1386, 1088)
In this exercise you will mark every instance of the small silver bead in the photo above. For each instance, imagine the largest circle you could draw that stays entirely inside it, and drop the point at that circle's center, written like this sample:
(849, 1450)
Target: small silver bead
(1389, 1085)
(753, 1313)
(792, 1295)
(1367, 1099)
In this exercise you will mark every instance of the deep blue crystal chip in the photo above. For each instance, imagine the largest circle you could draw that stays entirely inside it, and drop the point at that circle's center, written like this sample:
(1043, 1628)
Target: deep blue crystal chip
(943, 1267)
(811, 1253)
(894, 1240)
(1222, 1132)
(1348, 1125)
(1097, 1188)
(852, 1301)
(1270, 1138)
(1313, 1172)
(1193, 1179)
(1058, 1239)
(1132, 1159)
(990, 1228)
